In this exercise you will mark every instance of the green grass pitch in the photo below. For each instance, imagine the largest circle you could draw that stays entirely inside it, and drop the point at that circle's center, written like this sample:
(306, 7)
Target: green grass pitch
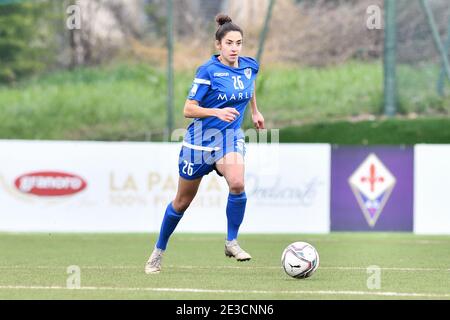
(34, 266)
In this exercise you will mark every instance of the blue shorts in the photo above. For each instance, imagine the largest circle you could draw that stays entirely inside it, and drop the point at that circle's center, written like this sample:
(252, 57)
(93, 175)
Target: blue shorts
(196, 161)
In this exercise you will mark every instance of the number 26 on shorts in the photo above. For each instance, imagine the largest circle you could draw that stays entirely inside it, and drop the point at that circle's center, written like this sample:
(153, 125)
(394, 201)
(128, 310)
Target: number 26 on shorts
(188, 167)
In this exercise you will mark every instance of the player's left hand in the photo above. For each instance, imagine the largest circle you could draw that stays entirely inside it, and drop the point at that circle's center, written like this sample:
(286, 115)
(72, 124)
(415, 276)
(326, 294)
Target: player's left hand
(258, 120)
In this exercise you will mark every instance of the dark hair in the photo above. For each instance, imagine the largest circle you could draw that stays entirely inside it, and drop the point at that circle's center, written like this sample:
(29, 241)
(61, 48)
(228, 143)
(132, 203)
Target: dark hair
(225, 25)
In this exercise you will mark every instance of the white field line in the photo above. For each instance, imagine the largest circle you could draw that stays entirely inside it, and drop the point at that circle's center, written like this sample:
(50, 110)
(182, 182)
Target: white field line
(219, 267)
(196, 290)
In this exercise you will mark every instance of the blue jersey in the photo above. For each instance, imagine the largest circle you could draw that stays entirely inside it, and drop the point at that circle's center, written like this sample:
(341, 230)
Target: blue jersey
(220, 86)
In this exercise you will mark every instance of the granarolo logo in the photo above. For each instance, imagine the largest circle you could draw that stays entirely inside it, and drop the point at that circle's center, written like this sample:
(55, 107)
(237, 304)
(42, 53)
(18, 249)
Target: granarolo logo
(50, 184)
(372, 184)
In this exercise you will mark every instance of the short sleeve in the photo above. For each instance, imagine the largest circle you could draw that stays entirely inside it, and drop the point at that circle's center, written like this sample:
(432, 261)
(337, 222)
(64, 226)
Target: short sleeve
(255, 65)
(252, 63)
(200, 85)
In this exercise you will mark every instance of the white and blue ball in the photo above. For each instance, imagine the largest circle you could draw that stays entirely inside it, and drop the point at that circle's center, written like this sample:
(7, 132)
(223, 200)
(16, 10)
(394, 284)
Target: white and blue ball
(300, 260)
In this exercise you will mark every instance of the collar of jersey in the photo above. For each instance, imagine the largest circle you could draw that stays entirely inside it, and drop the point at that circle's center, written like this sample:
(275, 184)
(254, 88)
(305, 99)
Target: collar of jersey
(216, 60)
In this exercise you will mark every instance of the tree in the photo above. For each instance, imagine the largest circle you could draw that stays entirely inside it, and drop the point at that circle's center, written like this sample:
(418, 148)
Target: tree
(22, 39)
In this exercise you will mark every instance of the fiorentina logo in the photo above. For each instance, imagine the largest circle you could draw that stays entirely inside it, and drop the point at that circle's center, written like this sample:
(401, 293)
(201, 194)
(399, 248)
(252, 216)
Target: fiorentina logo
(372, 184)
(248, 73)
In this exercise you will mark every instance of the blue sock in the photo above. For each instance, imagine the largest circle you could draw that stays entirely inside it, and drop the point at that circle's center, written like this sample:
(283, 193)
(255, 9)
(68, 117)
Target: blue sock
(235, 213)
(169, 223)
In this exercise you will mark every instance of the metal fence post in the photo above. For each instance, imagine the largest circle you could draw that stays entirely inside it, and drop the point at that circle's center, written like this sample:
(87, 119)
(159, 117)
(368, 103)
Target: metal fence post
(265, 30)
(170, 77)
(436, 37)
(441, 81)
(390, 52)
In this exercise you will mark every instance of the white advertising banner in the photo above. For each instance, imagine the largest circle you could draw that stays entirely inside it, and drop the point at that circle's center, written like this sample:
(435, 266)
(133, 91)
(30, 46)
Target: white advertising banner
(125, 187)
(431, 189)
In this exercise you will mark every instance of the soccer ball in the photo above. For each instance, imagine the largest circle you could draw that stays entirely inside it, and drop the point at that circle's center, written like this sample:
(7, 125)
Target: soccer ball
(300, 260)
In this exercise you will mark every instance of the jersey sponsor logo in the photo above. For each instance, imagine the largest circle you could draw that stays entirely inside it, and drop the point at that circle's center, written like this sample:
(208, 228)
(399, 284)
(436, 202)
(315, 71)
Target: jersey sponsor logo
(221, 74)
(248, 73)
(236, 97)
(50, 184)
(372, 184)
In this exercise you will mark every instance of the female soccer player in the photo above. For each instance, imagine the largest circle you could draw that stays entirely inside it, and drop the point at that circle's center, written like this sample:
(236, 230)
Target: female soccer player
(222, 88)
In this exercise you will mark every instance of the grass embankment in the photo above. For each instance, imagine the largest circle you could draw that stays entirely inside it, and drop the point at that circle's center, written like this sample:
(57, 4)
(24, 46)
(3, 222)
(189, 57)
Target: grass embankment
(128, 102)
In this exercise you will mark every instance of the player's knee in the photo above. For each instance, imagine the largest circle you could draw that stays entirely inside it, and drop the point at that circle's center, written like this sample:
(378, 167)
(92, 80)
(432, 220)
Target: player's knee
(181, 204)
(236, 186)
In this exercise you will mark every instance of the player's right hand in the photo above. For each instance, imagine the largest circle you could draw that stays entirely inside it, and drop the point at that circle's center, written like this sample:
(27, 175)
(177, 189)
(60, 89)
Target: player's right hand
(227, 114)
